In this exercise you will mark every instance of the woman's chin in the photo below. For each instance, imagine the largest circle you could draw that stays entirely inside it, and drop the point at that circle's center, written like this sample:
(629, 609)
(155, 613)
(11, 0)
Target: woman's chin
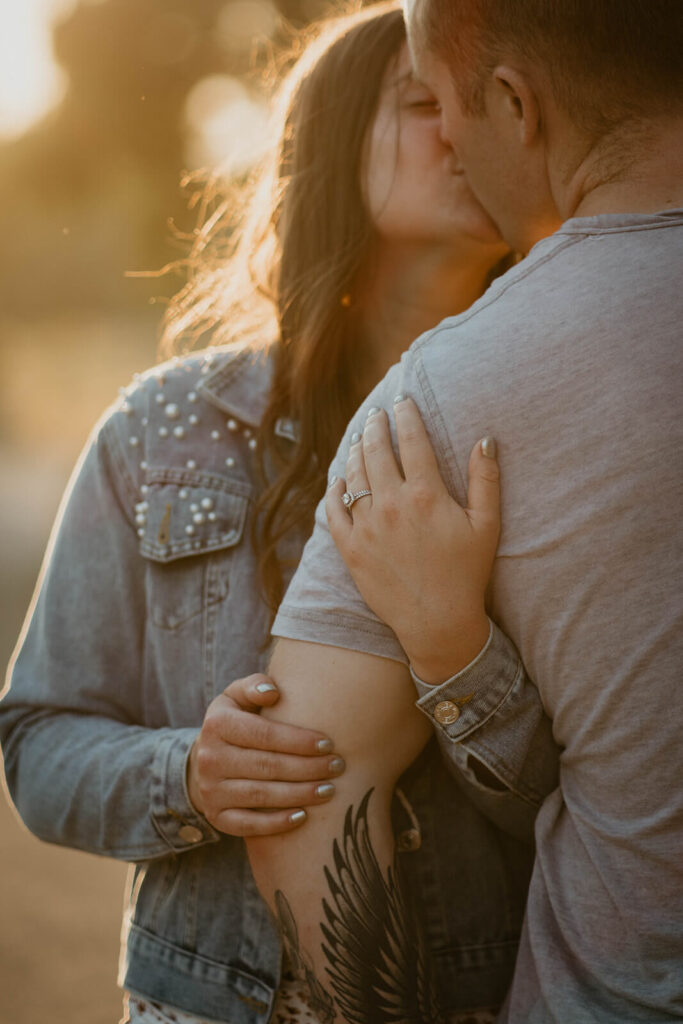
(480, 236)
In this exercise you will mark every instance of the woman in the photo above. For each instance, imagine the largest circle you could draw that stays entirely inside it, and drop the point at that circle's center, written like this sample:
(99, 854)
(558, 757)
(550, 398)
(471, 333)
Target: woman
(151, 599)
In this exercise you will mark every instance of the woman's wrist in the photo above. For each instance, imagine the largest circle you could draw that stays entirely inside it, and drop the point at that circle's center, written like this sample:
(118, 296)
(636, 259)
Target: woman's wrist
(442, 659)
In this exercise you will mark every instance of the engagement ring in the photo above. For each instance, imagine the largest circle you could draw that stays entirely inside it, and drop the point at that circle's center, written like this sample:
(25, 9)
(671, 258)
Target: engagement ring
(349, 499)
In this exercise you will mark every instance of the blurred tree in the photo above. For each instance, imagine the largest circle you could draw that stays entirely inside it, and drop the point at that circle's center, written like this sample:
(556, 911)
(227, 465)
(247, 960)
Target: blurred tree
(88, 193)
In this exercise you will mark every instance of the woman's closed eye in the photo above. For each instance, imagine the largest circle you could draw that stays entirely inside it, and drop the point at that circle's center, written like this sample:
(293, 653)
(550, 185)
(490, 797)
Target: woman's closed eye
(422, 101)
(432, 106)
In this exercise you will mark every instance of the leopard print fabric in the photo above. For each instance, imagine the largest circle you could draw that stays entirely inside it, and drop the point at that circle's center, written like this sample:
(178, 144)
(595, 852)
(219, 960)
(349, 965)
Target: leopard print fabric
(290, 1005)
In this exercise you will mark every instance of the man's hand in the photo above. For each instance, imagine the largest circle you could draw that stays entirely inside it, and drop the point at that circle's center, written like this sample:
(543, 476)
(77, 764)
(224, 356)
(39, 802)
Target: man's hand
(252, 777)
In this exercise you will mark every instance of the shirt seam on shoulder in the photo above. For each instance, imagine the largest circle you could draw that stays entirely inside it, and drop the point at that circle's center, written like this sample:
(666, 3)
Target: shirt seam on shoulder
(622, 230)
(483, 303)
(451, 463)
(448, 455)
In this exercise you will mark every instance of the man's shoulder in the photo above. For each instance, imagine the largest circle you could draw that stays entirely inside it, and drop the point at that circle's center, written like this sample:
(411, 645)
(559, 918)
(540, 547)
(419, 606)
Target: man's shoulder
(516, 293)
(564, 281)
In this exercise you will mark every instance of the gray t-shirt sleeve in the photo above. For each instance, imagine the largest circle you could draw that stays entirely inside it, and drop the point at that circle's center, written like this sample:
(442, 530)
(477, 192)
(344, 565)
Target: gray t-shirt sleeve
(322, 604)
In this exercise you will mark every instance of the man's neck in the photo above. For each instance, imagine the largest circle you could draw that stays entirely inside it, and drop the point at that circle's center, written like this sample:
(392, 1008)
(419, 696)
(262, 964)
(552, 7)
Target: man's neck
(640, 171)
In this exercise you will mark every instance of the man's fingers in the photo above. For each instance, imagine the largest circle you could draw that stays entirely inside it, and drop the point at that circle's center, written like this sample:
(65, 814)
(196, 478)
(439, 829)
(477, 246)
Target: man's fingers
(242, 822)
(415, 448)
(483, 491)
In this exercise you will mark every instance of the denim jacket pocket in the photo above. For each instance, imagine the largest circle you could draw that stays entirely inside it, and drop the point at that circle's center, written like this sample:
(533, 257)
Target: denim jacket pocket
(184, 519)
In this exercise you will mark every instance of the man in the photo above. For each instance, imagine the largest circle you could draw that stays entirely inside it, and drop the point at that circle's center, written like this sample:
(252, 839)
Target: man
(572, 114)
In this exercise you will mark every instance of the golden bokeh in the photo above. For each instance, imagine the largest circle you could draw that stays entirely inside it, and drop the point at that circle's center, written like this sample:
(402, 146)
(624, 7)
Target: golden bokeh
(104, 105)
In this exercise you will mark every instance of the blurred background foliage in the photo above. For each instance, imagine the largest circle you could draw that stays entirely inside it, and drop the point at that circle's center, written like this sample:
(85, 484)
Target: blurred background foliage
(89, 190)
(135, 94)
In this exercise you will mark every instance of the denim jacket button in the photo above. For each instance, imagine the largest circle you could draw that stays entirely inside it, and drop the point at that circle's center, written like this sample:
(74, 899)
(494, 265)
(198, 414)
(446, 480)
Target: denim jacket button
(409, 841)
(190, 834)
(446, 712)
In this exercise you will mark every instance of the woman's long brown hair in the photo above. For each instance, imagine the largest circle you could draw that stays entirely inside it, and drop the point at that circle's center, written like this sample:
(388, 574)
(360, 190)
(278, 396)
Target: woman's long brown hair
(290, 275)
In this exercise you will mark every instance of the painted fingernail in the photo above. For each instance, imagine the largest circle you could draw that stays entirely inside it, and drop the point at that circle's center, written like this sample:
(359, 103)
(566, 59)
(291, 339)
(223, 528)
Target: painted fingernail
(373, 411)
(266, 687)
(337, 765)
(489, 447)
(332, 482)
(297, 817)
(324, 746)
(355, 438)
(325, 789)
(399, 399)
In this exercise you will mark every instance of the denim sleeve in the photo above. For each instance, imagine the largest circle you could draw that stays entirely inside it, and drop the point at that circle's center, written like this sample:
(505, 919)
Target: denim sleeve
(81, 768)
(494, 735)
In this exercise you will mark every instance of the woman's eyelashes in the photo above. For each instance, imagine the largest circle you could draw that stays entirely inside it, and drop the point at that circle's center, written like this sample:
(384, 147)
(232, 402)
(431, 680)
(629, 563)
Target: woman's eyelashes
(422, 101)
(429, 106)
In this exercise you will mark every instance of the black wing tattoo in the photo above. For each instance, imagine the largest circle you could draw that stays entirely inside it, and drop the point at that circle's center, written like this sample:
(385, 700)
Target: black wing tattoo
(377, 966)
(378, 969)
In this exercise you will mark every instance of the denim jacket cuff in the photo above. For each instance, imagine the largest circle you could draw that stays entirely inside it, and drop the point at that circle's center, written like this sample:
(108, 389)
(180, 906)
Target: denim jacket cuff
(179, 824)
(468, 699)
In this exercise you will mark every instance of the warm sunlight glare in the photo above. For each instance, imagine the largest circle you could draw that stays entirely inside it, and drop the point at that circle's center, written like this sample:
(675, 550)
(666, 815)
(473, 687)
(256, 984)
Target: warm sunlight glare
(227, 126)
(31, 82)
(242, 23)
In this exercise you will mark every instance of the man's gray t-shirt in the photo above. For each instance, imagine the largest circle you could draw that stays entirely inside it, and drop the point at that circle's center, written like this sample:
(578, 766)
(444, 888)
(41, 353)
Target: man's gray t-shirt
(572, 360)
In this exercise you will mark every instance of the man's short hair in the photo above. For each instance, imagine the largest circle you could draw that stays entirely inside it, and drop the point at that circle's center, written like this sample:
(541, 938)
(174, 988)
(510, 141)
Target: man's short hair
(608, 61)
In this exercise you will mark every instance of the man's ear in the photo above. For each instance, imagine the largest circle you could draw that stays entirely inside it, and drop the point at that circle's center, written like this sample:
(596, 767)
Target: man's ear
(517, 103)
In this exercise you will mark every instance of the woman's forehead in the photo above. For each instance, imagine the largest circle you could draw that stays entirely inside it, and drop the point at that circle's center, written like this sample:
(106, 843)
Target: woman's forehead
(400, 70)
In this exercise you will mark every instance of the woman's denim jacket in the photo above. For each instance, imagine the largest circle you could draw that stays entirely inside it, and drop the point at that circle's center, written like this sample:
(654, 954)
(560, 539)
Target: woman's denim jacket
(148, 606)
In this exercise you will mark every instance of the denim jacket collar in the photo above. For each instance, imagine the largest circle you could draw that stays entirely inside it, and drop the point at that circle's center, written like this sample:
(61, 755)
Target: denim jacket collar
(238, 383)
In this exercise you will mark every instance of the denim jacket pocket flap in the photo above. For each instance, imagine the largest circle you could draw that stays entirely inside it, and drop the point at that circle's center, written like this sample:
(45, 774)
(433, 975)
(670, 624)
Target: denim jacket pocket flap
(179, 518)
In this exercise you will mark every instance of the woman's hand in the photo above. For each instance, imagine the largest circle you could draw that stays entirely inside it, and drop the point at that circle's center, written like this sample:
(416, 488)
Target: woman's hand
(420, 561)
(253, 777)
